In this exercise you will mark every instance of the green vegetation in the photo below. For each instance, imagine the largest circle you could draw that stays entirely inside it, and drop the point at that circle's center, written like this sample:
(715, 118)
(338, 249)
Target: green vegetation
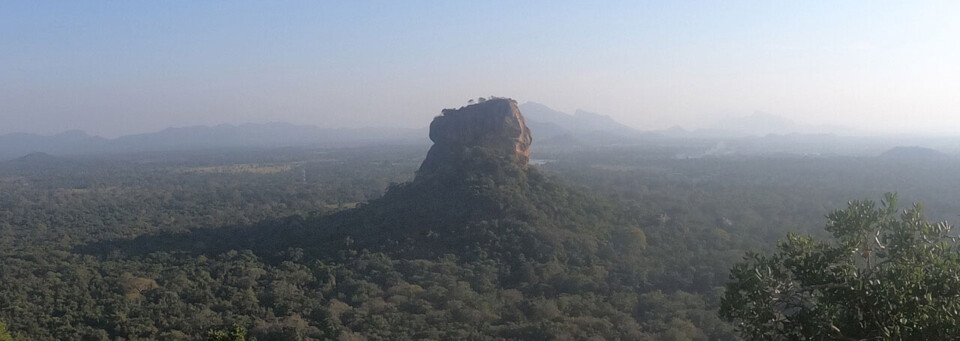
(237, 334)
(135, 248)
(4, 333)
(881, 278)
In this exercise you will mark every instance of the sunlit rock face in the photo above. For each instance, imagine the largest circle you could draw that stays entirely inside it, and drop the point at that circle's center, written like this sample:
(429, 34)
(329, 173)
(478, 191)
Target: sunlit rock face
(493, 129)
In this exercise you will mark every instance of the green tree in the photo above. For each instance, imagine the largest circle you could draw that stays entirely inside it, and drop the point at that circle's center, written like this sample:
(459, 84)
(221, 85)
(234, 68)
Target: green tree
(4, 333)
(883, 277)
(237, 334)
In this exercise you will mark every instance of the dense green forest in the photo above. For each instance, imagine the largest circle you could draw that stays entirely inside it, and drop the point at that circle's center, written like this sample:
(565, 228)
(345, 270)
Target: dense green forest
(609, 243)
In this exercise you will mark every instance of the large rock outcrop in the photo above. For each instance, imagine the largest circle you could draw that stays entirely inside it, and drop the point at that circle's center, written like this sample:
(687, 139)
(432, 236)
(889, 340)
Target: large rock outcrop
(493, 130)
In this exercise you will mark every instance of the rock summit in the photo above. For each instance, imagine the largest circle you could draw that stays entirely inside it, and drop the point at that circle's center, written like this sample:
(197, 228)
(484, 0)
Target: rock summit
(493, 130)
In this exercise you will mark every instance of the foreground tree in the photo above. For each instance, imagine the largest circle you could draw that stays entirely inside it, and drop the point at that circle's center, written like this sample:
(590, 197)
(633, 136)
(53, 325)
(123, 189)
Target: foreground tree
(883, 277)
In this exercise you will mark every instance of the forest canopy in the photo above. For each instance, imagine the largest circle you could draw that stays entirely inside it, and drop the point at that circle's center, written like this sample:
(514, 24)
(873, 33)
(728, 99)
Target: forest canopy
(224, 238)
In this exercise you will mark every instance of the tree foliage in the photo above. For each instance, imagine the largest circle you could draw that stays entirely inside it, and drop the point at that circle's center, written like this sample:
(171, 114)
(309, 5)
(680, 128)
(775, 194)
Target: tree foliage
(885, 275)
(4, 333)
(167, 246)
(238, 333)
(168, 251)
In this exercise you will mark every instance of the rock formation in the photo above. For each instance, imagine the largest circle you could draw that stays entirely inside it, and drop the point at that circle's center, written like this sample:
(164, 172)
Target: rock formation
(491, 130)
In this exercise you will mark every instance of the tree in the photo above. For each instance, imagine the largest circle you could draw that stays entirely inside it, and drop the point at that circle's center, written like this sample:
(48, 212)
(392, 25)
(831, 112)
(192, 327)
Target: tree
(4, 333)
(881, 278)
(237, 334)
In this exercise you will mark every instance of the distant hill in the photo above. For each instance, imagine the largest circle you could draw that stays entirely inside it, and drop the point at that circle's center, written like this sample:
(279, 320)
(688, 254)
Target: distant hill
(35, 158)
(69, 142)
(268, 135)
(550, 123)
(912, 153)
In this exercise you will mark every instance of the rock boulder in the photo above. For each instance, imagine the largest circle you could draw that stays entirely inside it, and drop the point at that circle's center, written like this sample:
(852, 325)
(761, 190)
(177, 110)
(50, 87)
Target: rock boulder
(491, 129)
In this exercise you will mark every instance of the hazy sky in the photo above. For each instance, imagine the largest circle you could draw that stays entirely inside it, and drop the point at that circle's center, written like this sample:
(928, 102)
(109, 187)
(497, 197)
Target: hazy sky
(118, 67)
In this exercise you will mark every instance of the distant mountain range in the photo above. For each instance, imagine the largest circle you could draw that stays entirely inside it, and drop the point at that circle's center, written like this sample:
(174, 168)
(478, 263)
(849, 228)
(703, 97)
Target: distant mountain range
(546, 123)
(756, 134)
(266, 135)
(580, 122)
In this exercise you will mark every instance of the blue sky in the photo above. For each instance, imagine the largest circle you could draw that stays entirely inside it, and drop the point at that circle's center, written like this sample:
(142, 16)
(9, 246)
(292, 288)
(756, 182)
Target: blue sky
(118, 67)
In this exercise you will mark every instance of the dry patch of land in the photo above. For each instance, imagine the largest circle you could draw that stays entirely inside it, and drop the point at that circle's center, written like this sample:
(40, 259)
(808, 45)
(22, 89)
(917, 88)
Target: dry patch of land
(252, 168)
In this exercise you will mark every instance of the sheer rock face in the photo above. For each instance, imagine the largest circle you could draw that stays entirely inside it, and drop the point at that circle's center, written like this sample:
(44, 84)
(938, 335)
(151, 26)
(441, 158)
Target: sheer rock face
(492, 129)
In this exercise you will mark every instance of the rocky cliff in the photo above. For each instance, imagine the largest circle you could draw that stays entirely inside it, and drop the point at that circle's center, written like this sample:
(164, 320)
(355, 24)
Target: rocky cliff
(490, 131)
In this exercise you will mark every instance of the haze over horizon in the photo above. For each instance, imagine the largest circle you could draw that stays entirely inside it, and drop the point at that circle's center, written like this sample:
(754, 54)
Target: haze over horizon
(117, 68)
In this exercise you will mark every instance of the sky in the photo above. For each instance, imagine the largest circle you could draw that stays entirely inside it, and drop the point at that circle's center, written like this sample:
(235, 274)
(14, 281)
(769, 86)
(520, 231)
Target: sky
(120, 67)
